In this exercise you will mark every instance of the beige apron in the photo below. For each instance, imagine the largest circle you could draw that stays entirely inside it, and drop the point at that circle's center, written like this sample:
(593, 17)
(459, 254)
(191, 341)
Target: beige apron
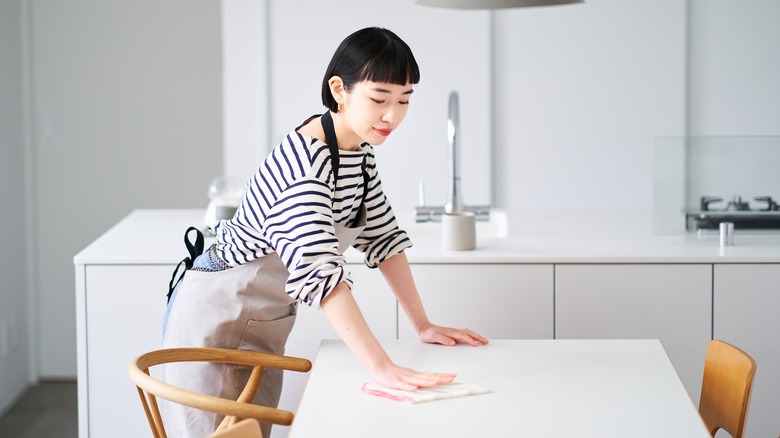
(245, 308)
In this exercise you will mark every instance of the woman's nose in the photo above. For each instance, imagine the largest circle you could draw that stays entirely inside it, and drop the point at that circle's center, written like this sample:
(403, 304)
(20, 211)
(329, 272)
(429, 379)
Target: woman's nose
(388, 116)
(391, 115)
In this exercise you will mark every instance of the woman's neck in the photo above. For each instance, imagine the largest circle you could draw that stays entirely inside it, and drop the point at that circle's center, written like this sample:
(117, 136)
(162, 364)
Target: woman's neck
(348, 140)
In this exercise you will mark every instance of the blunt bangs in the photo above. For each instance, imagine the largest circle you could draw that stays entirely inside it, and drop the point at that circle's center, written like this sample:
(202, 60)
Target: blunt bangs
(393, 65)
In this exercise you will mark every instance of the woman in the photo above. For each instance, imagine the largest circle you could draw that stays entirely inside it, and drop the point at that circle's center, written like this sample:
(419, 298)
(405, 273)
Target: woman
(316, 194)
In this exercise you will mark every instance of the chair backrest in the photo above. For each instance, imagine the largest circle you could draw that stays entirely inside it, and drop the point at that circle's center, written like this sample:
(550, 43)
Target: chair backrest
(725, 390)
(149, 388)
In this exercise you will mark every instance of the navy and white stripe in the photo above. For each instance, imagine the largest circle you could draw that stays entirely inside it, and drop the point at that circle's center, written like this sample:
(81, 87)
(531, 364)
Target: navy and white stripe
(291, 205)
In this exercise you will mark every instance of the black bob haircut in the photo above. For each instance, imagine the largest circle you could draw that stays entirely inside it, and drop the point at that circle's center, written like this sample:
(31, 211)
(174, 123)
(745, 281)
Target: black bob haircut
(373, 54)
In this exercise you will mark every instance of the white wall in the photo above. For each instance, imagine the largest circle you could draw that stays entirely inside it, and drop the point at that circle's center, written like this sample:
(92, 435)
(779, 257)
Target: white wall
(14, 303)
(245, 88)
(580, 94)
(733, 87)
(126, 114)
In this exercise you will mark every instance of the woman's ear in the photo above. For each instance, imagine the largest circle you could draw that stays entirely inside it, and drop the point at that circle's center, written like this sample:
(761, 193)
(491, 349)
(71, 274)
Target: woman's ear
(337, 90)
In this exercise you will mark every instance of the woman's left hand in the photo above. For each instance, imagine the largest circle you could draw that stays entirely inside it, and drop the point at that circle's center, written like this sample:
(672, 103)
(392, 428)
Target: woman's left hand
(435, 334)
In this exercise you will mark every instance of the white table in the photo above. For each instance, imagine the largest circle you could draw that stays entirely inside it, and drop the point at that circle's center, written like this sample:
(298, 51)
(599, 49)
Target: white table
(539, 388)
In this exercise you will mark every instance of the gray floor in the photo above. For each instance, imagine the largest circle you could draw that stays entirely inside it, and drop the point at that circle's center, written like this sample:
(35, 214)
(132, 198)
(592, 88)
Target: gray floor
(48, 409)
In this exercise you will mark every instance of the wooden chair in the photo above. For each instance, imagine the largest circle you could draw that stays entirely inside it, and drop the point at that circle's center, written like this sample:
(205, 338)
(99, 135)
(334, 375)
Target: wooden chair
(150, 388)
(247, 428)
(725, 391)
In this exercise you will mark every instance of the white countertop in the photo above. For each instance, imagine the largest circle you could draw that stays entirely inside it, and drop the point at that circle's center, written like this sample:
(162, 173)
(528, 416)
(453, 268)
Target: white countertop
(538, 388)
(156, 237)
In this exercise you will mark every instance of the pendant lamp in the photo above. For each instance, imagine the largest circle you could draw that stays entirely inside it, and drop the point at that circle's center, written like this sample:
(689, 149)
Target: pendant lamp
(493, 4)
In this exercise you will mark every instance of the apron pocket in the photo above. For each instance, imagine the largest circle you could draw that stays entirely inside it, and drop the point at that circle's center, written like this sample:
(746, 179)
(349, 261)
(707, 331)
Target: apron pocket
(263, 337)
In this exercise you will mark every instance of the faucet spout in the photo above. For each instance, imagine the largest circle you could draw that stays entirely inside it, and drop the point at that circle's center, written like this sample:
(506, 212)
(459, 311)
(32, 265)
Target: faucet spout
(454, 194)
(454, 204)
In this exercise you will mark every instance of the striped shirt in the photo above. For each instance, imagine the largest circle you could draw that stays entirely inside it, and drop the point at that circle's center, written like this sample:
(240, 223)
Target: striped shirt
(291, 205)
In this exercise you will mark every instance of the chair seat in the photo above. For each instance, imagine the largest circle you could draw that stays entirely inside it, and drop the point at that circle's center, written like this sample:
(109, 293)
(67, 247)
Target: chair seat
(248, 428)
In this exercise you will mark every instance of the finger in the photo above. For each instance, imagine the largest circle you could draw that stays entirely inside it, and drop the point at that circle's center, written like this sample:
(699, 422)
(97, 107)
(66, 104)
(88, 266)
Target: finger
(416, 377)
(466, 338)
(479, 340)
(406, 386)
(432, 379)
(440, 338)
(470, 337)
(476, 336)
(400, 381)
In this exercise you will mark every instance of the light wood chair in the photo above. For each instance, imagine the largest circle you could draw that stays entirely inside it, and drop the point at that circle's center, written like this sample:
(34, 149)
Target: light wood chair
(149, 388)
(247, 428)
(725, 390)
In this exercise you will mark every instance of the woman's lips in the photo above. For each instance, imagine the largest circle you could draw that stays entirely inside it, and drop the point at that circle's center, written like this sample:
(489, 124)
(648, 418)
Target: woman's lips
(383, 132)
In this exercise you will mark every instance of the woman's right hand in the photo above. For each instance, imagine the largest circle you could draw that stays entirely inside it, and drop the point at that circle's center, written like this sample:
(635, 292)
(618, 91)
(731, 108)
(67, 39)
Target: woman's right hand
(345, 316)
(393, 376)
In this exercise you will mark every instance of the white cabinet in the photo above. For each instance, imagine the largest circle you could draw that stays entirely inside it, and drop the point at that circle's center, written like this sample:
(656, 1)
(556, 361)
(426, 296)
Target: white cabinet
(123, 309)
(669, 302)
(509, 301)
(746, 308)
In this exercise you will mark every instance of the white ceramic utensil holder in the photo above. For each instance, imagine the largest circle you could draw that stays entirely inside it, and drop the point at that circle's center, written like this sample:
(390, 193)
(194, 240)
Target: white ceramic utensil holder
(459, 231)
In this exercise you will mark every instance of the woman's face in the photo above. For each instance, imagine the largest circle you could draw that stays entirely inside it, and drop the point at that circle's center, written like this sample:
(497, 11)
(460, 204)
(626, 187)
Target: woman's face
(374, 109)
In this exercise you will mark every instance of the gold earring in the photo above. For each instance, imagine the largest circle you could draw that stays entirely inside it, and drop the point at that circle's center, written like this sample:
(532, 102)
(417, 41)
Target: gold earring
(340, 107)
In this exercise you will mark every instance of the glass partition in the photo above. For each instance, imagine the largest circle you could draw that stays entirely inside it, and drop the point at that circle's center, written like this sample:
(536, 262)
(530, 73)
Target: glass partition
(719, 174)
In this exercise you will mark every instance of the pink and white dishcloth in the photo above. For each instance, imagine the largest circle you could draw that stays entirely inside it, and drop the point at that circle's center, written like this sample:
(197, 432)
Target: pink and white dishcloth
(450, 390)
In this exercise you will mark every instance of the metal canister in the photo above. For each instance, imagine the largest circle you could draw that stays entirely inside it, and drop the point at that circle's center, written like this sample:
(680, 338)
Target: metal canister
(726, 233)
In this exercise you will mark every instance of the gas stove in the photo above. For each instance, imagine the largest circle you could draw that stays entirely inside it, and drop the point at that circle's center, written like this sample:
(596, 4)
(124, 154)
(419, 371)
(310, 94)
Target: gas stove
(763, 214)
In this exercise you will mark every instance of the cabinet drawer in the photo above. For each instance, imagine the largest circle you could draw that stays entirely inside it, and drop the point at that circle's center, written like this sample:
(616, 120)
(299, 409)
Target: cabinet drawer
(496, 301)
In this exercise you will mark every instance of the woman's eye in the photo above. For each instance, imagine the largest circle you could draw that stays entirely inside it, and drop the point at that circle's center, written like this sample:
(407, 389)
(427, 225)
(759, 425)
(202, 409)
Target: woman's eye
(404, 103)
(377, 101)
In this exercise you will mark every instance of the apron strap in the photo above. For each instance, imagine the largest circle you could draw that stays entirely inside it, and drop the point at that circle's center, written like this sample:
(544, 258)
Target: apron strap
(333, 145)
(365, 180)
(194, 249)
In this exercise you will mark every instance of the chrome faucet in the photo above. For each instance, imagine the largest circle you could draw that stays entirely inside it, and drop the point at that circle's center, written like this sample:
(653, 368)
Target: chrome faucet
(454, 196)
(454, 202)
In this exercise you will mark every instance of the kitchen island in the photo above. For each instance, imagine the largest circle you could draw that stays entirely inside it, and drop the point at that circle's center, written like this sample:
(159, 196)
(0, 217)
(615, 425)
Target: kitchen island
(683, 290)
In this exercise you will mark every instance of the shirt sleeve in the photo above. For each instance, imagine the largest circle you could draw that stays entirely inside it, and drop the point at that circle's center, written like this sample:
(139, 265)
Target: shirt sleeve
(382, 238)
(300, 228)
